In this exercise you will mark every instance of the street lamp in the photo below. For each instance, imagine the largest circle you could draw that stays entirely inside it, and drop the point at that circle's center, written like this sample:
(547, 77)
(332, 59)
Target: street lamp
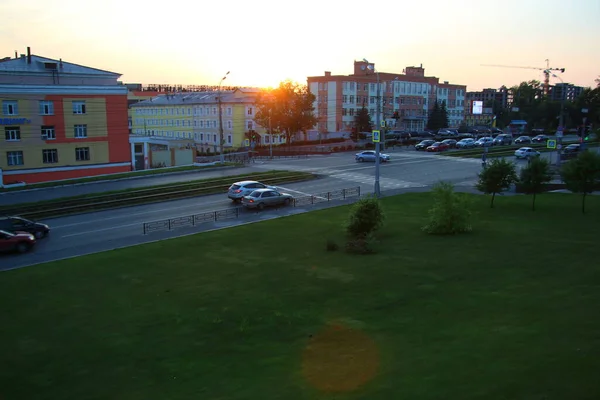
(584, 111)
(377, 189)
(560, 129)
(221, 138)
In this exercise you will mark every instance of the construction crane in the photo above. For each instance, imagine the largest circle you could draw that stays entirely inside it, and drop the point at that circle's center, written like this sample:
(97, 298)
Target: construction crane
(545, 70)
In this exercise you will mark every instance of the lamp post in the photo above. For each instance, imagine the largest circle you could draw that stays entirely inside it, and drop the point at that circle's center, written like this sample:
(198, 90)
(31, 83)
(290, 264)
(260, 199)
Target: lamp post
(377, 189)
(584, 111)
(559, 132)
(221, 138)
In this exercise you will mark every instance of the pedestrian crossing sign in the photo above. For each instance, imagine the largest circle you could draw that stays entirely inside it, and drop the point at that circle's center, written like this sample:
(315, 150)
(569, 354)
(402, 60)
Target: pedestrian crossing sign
(376, 137)
(551, 144)
(382, 124)
(246, 142)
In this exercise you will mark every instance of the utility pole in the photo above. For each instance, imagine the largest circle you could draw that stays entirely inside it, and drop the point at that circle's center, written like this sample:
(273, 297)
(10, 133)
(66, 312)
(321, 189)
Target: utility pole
(270, 136)
(584, 111)
(377, 189)
(221, 136)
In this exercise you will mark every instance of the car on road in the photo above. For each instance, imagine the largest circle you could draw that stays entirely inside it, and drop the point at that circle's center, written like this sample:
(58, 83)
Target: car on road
(484, 142)
(503, 138)
(424, 144)
(571, 151)
(262, 198)
(19, 241)
(451, 143)
(238, 190)
(523, 140)
(18, 224)
(540, 139)
(526, 152)
(437, 147)
(467, 143)
(370, 155)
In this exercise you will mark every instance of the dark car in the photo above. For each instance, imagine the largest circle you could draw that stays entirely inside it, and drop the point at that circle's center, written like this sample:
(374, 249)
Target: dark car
(451, 143)
(571, 151)
(424, 144)
(540, 139)
(523, 140)
(503, 138)
(18, 224)
(20, 241)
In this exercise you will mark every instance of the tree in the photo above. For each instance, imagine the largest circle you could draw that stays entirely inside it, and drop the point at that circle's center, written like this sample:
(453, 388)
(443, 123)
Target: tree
(582, 174)
(496, 178)
(451, 212)
(366, 216)
(287, 109)
(433, 122)
(534, 177)
(444, 121)
(362, 120)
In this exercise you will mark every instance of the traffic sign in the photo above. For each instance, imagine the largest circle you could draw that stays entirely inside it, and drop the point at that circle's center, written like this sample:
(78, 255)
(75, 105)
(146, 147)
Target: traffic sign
(246, 142)
(559, 146)
(559, 133)
(382, 124)
(376, 137)
(551, 144)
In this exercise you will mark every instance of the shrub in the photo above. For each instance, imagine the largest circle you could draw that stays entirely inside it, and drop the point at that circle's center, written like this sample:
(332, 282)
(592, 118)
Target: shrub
(359, 245)
(366, 216)
(331, 245)
(450, 213)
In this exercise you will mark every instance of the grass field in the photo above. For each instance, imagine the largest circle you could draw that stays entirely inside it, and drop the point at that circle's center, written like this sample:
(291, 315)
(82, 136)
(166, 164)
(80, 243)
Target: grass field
(262, 311)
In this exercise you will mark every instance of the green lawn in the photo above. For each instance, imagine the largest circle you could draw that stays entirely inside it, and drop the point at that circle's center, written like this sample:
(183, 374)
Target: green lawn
(510, 311)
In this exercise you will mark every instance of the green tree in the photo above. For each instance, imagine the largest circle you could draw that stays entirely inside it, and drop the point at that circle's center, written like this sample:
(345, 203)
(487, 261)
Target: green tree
(366, 216)
(534, 177)
(444, 121)
(451, 212)
(287, 109)
(362, 120)
(434, 122)
(496, 178)
(582, 174)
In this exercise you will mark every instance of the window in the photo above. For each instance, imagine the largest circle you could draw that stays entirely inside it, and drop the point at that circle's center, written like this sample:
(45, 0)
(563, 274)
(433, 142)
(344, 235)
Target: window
(48, 132)
(80, 131)
(12, 133)
(10, 107)
(229, 124)
(79, 107)
(249, 125)
(50, 156)
(82, 154)
(214, 111)
(46, 107)
(229, 139)
(14, 158)
(249, 110)
(229, 111)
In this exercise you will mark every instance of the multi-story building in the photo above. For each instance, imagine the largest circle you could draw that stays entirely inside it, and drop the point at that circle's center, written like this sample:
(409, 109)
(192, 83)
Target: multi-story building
(565, 92)
(60, 120)
(137, 92)
(489, 96)
(411, 94)
(194, 117)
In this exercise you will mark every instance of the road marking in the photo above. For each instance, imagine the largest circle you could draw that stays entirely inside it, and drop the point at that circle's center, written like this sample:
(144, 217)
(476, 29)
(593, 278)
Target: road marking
(101, 230)
(302, 193)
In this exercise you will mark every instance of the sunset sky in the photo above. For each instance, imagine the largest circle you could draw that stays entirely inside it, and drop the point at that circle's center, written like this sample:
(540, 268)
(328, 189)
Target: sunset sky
(263, 42)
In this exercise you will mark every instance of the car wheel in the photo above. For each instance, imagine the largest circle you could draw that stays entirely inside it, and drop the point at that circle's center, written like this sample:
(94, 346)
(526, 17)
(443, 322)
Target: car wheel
(22, 247)
(261, 206)
(39, 234)
(287, 202)
(360, 159)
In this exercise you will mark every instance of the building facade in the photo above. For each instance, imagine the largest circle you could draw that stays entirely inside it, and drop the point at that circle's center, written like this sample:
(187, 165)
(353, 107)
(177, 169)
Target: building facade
(194, 118)
(501, 97)
(60, 121)
(411, 95)
(565, 92)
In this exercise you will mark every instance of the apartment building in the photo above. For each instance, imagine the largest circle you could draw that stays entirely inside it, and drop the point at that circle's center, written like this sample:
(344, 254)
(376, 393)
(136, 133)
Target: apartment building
(194, 117)
(411, 94)
(501, 97)
(60, 120)
(565, 92)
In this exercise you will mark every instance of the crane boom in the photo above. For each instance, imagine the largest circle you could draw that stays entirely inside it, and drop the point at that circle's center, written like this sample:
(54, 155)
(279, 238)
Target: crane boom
(509, 66)
(546, 72)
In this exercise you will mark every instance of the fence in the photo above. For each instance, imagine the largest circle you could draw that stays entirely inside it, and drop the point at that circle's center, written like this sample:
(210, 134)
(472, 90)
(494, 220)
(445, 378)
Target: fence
(234, 212)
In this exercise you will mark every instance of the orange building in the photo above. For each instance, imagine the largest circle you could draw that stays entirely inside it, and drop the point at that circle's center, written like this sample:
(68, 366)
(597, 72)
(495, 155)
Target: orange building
(60, 121)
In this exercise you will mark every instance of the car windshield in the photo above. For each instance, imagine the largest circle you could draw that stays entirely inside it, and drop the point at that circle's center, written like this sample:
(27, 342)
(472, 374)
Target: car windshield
(8, 234)
(235, 187)
(256, 193)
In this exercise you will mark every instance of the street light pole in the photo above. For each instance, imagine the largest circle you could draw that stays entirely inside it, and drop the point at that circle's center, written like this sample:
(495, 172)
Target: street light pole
(561, 121)
(221, 137)
(270, 137)
(377, 189)
(584, 111)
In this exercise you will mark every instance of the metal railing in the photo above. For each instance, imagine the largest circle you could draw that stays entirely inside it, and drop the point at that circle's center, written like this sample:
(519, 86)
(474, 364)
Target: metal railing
(234, 212)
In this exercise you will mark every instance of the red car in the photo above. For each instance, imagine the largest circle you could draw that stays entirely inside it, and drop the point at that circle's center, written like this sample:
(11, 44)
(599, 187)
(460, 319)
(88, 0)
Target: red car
(438, 146)
(18, 241)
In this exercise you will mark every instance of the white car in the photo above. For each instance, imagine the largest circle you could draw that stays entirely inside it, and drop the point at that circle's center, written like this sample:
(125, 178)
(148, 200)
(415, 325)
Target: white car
(526, 152)
(370, 155)
(467, 143)
(238, 190)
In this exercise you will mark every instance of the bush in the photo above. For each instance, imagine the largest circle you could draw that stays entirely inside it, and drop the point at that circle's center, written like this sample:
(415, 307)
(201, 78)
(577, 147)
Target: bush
(359, 245)
(331, 245)
(366, 216)
(450, 213)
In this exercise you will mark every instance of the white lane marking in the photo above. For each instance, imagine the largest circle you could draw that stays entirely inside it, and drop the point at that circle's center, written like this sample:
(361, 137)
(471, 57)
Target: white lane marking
(101, 230)
(299, 192)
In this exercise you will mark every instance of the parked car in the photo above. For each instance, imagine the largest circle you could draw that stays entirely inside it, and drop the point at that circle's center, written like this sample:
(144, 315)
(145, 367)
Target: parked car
(484, 142)
(238, 190)
(19, 241)
(451, 143)
(467, 143)
(262, 198)
(437, 147)
(571, 151)
(523, 140)
(424, 144)
(526, 152)
(448, 132)
(503, 138)
(370, 155)
(540, 139)
(399, 135)
(18, 224)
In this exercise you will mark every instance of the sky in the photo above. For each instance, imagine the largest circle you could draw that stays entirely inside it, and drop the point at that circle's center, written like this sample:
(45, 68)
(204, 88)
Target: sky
(264, 42)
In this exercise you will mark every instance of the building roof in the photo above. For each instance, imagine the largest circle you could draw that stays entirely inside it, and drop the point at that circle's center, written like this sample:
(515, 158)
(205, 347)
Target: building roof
(43, 64)
(245, 95)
